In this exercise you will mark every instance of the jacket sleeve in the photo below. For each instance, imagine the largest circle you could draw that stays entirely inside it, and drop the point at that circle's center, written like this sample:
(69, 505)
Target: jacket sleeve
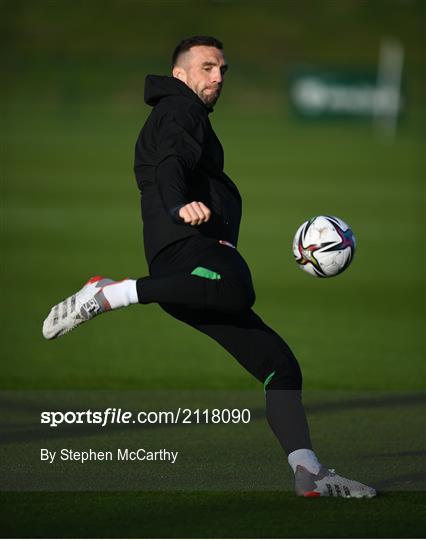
(180, 142)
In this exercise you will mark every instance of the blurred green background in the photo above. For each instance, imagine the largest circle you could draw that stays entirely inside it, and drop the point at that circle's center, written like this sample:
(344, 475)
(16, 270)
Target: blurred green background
(71, 102)
(72, 106)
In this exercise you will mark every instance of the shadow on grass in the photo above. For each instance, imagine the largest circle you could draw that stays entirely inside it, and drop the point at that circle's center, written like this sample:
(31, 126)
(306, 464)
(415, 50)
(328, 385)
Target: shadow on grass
(28, 433)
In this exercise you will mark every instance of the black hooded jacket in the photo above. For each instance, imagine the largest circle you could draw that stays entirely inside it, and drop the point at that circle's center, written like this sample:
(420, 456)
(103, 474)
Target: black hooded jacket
(179, 159)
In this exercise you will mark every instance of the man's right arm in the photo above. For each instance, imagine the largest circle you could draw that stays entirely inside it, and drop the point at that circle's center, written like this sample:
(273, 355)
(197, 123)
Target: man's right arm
(180, 140)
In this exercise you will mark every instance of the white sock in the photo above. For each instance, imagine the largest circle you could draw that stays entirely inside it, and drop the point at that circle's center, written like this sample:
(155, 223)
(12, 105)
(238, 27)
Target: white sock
(121, 293)
(306, 458)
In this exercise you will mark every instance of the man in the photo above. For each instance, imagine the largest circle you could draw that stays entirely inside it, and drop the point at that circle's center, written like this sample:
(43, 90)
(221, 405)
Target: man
(191, 212)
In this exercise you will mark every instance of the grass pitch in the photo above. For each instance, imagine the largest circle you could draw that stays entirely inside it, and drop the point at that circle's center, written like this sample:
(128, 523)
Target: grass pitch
(70, 213)
(71, 111)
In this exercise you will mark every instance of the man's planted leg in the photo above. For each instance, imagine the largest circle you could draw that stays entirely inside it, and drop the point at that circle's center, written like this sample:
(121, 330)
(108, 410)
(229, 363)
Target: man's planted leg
(267, 357)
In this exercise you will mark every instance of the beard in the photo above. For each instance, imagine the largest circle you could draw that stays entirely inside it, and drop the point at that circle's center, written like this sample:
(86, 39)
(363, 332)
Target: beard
(211, 98)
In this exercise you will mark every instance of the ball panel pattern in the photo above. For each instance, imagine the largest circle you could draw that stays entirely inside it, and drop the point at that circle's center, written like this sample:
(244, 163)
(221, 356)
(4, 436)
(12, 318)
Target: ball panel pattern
(324, 246)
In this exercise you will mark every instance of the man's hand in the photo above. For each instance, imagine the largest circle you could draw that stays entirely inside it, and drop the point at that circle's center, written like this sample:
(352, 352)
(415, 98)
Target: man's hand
(195, 213)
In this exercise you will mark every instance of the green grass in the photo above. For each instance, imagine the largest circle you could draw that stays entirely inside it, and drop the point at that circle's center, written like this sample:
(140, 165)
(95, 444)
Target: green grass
(70, 210)
(206, 493)
(210, 455)
(206, 515)
(71, 107)
(69, 213)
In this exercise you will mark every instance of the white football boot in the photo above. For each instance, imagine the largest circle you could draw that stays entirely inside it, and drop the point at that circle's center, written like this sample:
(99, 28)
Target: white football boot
(329, 484)
(82, 306)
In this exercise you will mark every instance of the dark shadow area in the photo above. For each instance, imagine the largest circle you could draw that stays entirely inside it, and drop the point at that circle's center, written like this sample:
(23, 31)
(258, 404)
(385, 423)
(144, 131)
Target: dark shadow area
(26, 432)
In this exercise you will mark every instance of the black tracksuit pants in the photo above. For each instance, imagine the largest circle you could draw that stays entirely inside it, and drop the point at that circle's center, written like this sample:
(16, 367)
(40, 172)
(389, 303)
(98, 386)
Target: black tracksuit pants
(208, 285)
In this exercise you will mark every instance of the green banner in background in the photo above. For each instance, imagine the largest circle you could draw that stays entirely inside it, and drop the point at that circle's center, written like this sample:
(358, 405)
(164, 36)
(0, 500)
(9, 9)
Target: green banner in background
(340, 93)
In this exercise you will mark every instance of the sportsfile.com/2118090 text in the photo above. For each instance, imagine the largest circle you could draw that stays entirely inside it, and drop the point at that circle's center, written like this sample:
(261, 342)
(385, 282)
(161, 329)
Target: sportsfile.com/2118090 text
(113, 415)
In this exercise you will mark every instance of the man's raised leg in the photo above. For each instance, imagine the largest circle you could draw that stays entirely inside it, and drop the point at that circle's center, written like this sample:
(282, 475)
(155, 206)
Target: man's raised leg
(97, 296)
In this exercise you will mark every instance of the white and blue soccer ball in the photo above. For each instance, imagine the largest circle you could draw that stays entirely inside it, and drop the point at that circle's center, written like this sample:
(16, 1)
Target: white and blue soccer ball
(324, 246)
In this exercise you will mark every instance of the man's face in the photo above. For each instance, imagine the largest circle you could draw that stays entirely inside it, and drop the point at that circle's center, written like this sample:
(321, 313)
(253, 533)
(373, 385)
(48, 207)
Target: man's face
(202, 68)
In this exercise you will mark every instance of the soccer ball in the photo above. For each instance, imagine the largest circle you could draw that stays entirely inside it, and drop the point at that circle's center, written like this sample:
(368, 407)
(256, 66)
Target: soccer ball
(324, 246)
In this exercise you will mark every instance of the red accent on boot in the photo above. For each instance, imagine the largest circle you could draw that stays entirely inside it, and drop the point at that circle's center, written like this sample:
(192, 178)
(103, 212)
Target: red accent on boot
(94, 279)
(312, 494)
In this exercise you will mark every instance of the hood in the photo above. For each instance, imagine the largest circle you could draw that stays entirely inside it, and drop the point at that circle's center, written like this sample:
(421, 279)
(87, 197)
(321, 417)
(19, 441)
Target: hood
(160, 86)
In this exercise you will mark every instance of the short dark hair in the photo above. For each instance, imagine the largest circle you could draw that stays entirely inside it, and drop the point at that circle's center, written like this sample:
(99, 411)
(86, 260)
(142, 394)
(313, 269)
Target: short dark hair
(194, 41)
